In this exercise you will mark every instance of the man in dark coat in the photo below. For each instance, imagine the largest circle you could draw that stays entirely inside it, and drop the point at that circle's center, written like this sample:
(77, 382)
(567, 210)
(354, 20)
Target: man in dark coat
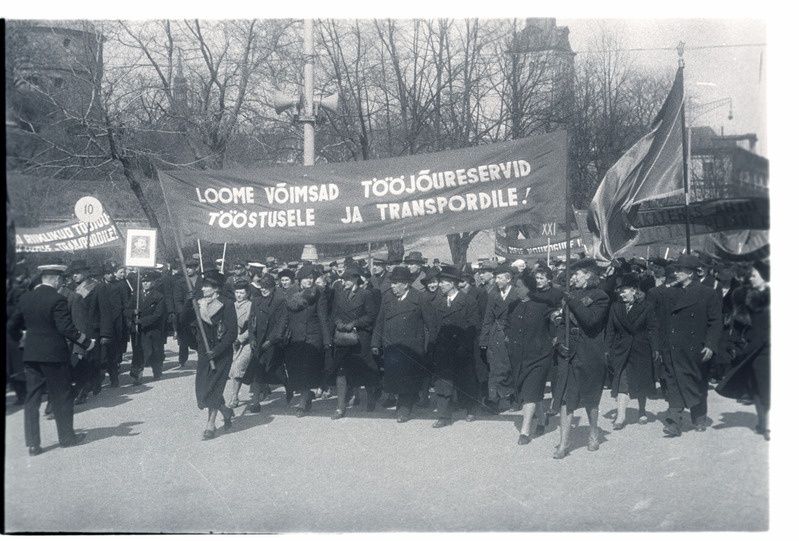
(113, 330)
(44, 314)
(453, 339)
(692, 322)
(399, 337)
(86, 316)
(493, 341)
(182, 292)
(147, 328)
(268, 324)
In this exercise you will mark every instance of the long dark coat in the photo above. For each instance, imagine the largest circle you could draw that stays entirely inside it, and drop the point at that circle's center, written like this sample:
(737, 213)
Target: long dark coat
(359, 310)
(185, 318)
(400, 332)
(692, 322)
(493, 337)
(530, 342)
(581, 375)
(221, 332)
(309, 333)
(268, 326)
(454, 336)
(112, 300)
(631, 337)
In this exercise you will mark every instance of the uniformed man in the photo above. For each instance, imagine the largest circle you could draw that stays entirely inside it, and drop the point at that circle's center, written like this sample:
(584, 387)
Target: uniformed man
(146, 319)
(44, 314)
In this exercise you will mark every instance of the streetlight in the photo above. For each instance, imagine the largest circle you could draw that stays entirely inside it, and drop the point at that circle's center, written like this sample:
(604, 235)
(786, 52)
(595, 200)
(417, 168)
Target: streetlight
(306, 108)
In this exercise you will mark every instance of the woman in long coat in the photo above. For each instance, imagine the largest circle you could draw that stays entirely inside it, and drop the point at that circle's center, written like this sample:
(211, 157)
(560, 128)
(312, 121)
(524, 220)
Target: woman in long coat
(581, 367)
(751, 375)
(631, 337)
(530, 343)
(242, 352)
(218, 317)
(354, 308)
(309, 337)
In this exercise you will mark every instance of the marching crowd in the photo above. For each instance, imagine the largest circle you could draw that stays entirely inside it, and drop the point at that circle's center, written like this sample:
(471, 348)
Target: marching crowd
(485, 338)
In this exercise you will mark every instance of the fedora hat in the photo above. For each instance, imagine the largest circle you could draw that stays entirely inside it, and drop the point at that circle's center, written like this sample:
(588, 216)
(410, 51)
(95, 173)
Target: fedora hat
(400, 274)
(450, 272)
(687, 261)
(78, 265)
(415, 257)
(213, 277)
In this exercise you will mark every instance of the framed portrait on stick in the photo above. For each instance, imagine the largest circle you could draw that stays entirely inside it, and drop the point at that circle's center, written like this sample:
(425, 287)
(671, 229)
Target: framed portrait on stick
(140, 247)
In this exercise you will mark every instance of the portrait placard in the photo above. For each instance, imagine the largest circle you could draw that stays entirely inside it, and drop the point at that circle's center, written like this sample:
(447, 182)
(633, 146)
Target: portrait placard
(140, 247)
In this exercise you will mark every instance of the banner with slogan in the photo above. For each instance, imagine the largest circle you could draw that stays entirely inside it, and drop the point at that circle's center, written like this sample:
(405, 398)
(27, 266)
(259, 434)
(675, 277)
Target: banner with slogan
(543, 238)
(70, 237)
(709, 216)
(474, 188)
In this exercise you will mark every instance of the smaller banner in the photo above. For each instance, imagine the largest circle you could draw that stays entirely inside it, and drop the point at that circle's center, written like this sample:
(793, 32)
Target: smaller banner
(709, 216)
(70, 237)
(544, 238)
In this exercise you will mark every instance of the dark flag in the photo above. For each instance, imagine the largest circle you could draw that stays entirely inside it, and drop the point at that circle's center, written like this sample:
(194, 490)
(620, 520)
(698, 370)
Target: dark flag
(651, 169)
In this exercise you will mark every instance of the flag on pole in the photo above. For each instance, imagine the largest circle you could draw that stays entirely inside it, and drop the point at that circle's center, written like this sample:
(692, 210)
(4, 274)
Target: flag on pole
(651, 169)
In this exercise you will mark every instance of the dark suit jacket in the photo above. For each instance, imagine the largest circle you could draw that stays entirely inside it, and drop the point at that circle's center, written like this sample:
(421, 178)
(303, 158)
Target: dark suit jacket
(454, 333)
(44, 313)
(268, 321)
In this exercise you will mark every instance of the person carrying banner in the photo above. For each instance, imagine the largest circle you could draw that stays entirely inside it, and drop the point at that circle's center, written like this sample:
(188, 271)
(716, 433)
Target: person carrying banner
(581, 365)
(44, 314)
(146, 317)
(218, 320)
(692, 327)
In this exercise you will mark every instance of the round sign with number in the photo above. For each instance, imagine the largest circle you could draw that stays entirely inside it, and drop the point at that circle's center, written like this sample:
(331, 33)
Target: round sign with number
(88, 209)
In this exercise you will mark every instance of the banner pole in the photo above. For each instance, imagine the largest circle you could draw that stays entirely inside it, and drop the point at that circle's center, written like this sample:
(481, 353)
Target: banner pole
(200, 251)
(568, 205)
(224, 251)
(178, 245)
(685, 150)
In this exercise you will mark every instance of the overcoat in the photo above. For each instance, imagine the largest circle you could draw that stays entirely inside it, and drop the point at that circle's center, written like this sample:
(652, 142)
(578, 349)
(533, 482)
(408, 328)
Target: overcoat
(530, 348)
(358, 309)
(242, 352)
(220, 330)
(692, 322)
(453, 338)
(308, 335)
(581, 375)
(493, 336)
(111, 302)
(400, 332)
(268, 326)
(631, 337)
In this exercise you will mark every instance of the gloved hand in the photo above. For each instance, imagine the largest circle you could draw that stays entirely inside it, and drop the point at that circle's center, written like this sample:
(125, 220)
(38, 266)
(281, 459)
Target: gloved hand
(105, 341)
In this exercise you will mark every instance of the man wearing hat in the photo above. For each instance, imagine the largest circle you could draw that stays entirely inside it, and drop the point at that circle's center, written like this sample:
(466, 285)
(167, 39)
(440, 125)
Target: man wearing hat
(181, 292)
(399, 336)
(86, 315)
(692, 328)
(378, 273)
(146, 318)
(44, 314)
(113, 330)
(267, 329)
(414, 261)
(453, 340)
(485, 273)
(492, 340)
(239, 273)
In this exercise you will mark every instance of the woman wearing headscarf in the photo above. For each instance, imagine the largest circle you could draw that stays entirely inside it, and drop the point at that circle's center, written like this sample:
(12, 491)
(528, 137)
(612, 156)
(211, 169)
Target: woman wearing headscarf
(530, 347)
(354, 311)
(751, 376)
(218, 318)
(242, 352)
(309, 337)
(581, 367)
(631, 338)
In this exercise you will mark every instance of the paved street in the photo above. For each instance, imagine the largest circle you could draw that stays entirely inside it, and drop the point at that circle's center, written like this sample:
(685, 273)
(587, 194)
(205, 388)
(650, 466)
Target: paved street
(145, 469)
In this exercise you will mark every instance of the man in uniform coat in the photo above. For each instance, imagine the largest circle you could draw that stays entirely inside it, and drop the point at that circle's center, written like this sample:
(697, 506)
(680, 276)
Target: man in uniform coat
(147, 328)
(113, 330)
(86, 316)
(453, 339)
(399, 336)
(44, 314)
(268, 323)
(692, 321)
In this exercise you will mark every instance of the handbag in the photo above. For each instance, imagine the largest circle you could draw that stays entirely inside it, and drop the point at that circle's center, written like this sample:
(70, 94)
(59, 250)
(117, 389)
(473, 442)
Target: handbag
(345, 338)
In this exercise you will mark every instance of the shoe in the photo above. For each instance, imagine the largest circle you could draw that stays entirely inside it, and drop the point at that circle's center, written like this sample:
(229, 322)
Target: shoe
(642, 420)
(700, 428)
(289, 396)
(235, 402)
(540, 430)
(524, 439)
(156, 377)
(136, 379)
(77, 439)
(672, 430)
(354, 400)
(403, 418)
(389, 403)
(767, 435)
(34, 450)
(491, 407)
(337, 415)
(515, 406)
(81, 398)
(441, 423)
(423, 402)
(228, 421)
(302, 412)
(208, 434)
(618, 426)
(253, 408)
(593, 442)
(471, 417)
(371, 405)
(703, 424)
(561, 452)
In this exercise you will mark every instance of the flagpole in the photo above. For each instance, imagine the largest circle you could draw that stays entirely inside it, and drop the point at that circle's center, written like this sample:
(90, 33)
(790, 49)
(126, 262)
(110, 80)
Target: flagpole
(685, 150)
(568, 205)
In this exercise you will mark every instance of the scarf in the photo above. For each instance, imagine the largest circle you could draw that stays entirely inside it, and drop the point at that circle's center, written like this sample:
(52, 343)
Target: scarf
(209, 308)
